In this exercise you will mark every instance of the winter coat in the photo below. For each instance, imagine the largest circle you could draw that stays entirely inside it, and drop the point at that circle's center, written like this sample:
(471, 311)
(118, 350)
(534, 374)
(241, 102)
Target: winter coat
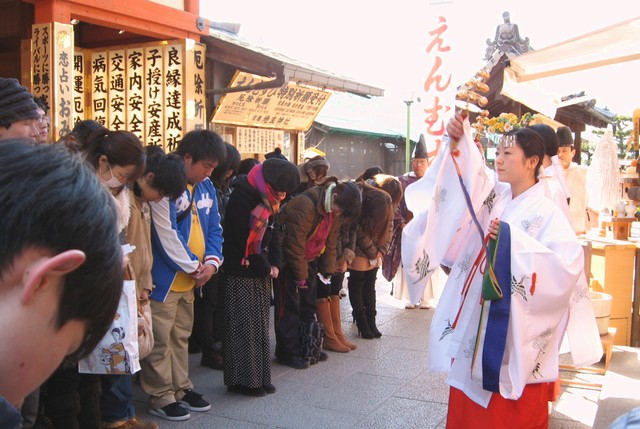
(242, 201)
(298, 222)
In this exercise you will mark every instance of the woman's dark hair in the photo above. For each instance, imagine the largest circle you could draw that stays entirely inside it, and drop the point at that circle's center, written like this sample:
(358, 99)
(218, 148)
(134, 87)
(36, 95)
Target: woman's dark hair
(231, 163)
(80, 133)
(169, 173)
(246, 165)
(202, 145)
(390, 184)
(121, 148)
(549, 138)
(77, 213)
(376, 214)
(348, 198)
(531, 144)
(84, 129)
(369, 173)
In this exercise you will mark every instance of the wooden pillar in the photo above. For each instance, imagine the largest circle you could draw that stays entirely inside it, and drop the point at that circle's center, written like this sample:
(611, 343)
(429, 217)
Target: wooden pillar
(192, 6)
(52, 11)
(577, 144)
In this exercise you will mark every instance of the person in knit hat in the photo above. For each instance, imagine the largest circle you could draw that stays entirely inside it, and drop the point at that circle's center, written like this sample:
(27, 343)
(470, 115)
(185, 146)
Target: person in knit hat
(253, 259)
(576, 180)
(312, 172)
(18, 111)
(277, 153)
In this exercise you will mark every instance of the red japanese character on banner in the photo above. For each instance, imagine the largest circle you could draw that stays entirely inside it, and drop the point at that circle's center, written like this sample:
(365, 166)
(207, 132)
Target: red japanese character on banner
(434, 116)
(438, 40)
(437, 84)
(436, 78)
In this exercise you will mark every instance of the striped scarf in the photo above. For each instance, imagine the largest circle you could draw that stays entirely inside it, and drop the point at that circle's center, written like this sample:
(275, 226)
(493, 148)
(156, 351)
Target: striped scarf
(260, 214)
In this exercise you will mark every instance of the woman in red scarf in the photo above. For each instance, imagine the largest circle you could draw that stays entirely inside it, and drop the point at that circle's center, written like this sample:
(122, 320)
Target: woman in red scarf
(252, 259)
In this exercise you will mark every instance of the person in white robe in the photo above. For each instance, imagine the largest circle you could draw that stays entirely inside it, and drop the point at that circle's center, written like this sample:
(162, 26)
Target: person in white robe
(576, 179)
(551, 173)
(546, 261)
(392, 268)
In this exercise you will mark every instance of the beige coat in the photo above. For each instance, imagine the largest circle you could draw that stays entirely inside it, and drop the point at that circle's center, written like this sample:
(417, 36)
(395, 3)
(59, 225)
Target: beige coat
(138, 233)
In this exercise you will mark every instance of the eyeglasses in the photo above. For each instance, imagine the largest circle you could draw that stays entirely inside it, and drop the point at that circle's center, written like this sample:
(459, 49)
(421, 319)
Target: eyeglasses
(43, 120)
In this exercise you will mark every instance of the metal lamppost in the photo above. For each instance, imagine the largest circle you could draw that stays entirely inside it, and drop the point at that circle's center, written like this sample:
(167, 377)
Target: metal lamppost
(407, 147)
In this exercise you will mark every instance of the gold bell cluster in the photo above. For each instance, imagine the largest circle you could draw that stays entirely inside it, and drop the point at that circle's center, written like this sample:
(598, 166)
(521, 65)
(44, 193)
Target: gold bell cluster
(468, 97)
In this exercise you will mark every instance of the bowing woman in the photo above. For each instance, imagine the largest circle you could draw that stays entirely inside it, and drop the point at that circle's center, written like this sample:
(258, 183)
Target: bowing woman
(252, 259)
(514, 263)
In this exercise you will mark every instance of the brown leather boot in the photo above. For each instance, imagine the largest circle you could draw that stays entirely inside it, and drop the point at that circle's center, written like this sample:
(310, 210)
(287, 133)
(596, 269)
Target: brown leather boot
(334, 305)
(331, 342)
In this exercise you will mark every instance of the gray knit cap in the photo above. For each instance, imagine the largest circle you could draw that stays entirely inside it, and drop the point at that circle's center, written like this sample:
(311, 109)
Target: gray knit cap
(16, 102)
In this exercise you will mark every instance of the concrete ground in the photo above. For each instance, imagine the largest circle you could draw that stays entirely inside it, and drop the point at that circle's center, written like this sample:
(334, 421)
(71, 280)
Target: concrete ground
(385, 383)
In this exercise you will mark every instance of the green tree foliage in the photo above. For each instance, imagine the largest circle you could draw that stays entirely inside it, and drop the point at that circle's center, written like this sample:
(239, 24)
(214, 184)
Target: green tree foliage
(622, 128)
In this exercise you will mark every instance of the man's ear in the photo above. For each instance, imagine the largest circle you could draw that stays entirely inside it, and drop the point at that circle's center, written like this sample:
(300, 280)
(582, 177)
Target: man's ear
(45, 271)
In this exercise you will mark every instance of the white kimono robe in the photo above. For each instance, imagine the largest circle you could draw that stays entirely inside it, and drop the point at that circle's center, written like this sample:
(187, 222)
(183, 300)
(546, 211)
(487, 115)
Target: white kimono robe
(576, 178)
(554, 188)
(546, 261)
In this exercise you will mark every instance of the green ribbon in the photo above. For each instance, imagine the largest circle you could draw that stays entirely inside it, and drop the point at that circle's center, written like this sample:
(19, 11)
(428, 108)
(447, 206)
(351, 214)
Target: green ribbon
(491, 289)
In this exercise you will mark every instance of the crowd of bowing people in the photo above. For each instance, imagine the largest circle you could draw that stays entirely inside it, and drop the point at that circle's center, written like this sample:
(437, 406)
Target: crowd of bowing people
(218, 240)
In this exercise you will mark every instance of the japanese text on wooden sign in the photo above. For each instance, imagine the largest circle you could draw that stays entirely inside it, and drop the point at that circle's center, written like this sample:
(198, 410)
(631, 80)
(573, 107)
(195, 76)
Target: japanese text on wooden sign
(155, 91)
(52, 73)
(288, 107)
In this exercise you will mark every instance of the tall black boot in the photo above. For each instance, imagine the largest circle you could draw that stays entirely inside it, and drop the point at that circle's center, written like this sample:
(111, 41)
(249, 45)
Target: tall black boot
(356, 284)
(369, 300)
(363, 325)
(371, 320)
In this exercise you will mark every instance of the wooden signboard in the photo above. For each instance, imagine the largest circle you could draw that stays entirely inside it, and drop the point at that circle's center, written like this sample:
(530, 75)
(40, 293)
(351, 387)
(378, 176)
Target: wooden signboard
(289, 107)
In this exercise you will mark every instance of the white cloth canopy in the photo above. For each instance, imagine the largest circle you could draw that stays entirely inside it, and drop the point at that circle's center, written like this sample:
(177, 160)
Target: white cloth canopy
(592, 62)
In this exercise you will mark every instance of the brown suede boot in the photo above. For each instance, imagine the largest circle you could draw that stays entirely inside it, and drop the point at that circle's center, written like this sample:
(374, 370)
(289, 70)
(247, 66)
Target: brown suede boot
(334, 305)
(331, 342)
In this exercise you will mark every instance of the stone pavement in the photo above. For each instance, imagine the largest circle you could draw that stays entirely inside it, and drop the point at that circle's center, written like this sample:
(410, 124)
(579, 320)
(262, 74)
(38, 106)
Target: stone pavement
(385, 383)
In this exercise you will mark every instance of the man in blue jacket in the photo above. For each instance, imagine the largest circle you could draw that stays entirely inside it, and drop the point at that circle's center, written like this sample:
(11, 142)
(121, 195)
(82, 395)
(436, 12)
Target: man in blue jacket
(187, 251)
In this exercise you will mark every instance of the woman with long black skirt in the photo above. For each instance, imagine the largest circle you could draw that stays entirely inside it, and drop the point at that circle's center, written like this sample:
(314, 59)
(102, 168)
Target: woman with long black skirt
(252, 259)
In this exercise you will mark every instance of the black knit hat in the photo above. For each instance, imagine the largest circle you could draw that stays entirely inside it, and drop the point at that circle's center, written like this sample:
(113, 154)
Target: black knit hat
(420, 151)
(282, 175)
(277, 153)
(16, 102)
(564, 137)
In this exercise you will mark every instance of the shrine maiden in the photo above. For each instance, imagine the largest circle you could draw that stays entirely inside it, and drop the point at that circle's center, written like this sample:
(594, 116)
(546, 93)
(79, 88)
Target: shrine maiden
(498, 335)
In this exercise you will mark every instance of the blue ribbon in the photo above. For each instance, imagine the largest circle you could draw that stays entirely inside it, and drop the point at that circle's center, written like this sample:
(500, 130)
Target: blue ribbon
(496, 333)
